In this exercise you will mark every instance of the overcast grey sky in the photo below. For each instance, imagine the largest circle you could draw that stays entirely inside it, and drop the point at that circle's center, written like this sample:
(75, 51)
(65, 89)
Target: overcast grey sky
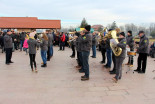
(71, 12)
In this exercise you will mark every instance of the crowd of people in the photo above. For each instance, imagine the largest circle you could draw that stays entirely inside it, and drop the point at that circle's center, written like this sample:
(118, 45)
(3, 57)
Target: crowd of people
(29, 42)
(81, 43)
(84, 41)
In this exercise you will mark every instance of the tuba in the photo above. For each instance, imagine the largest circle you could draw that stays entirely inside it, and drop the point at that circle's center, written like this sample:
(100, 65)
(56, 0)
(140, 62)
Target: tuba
(116, 50)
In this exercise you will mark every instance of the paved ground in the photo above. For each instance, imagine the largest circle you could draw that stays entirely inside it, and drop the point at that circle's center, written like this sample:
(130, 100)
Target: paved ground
(60, 82)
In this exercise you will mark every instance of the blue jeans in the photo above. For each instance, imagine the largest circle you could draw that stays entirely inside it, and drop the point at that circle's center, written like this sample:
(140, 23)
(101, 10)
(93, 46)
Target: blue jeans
(85, 65)
(21, 44)
(109, 58)
(43, 56)
(51, 50)
(94, 50)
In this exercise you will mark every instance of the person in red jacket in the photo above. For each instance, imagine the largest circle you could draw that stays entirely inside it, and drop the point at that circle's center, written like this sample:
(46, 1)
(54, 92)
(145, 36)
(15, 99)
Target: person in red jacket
(62, 42)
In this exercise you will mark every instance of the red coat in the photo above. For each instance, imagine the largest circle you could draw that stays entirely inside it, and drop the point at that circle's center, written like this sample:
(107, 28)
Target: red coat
(63, 38)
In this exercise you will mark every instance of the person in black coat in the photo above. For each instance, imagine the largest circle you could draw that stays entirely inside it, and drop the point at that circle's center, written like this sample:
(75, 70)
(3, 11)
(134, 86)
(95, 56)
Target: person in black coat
(103, 51)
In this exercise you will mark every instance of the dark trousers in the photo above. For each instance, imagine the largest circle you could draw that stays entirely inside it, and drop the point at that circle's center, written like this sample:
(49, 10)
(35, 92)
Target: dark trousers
(62, 45)
(85, 63)
(109, 59)
(48, 53)
(2, 48)
(130, 61)
(114, 61)
(103, 51)
(16, 45)
(119, 62)
(73, 49)
(79, 57)
(32, 60)
(21, 44)
(8, 54)
(142, 60)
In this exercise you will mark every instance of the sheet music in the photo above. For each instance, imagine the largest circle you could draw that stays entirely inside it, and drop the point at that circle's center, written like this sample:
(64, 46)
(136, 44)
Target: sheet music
(113, 41)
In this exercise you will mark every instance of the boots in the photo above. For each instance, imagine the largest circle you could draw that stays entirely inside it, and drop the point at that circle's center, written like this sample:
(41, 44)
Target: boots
(44, 65)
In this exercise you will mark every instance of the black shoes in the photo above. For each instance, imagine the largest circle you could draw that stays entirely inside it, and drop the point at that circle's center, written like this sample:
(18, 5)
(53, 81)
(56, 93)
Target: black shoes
(136, 70)
(112, 72)
(44, 65)
(48, 59)
(84, 78)
(72, 56)
(102, 62)
(141, 72)
(106, 66)
(93, 56)
(7, 63)
(11, 62)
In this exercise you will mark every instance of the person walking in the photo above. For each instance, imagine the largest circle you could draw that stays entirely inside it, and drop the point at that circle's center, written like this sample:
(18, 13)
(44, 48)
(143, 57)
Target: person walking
(32, 51)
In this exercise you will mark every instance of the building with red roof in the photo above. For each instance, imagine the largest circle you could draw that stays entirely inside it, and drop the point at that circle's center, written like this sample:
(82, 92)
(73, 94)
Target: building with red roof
(28, 23)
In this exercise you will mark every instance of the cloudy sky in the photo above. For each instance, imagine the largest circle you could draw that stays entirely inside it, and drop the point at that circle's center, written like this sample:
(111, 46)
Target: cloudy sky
(71, 12)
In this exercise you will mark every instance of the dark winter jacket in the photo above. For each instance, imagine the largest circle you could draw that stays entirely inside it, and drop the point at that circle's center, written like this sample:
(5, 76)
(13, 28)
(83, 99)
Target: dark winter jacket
(8, 41)
(85, 42)
(122, 45)
(143, 45)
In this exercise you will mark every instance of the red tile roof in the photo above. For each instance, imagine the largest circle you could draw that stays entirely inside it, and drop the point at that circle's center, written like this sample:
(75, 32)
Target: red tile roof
(28, 22)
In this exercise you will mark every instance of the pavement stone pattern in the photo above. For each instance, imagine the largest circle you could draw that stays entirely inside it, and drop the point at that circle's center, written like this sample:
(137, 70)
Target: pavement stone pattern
(60, 82)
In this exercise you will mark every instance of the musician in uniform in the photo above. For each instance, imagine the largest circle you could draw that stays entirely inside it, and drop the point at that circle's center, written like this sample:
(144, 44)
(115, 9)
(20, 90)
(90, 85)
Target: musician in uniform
(130, 43)
(85, 46)
(113, 71)
(121, 57)
(143, 52)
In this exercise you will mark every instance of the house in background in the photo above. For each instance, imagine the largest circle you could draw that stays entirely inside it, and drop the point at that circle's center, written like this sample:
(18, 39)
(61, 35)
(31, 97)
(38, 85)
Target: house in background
(97, 27)
(28, 24)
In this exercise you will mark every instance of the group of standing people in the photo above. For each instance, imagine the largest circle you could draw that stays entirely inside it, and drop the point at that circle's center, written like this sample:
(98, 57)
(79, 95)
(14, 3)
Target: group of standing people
(30, 43)
(84, 41)
(142, 49)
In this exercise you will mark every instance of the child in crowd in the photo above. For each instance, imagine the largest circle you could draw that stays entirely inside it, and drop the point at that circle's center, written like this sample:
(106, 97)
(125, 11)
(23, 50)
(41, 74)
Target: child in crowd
(25, 45)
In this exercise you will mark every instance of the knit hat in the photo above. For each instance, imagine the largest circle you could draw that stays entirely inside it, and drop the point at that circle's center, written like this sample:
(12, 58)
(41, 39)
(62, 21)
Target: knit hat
(32, 35)
(130, 32)
(141, 32)
(122, 33)
(88, 27)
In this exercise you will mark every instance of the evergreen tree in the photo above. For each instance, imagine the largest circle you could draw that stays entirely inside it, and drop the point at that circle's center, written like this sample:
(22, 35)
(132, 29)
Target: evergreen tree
(113, 25)
(83, 23)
